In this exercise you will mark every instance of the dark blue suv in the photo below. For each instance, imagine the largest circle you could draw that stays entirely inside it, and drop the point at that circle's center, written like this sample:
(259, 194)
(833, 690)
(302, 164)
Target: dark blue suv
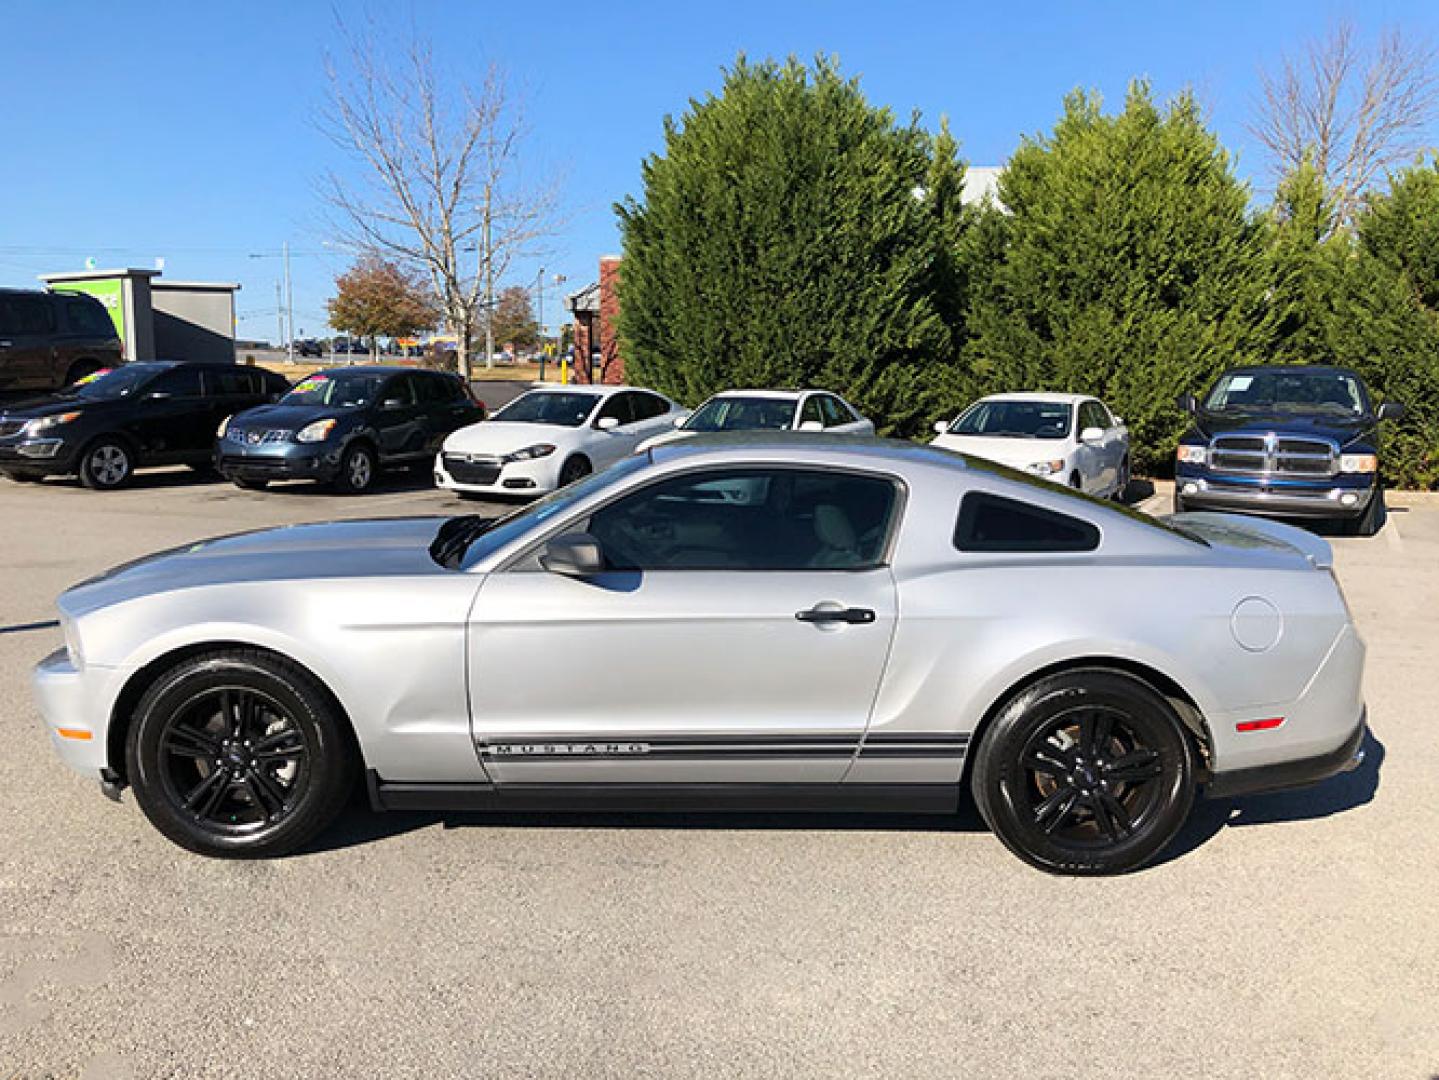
(1285, 441)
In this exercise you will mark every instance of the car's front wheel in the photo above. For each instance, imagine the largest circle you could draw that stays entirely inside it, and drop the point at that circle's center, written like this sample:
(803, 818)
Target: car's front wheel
(239, 753)
(573, 469)
(106, 464)
(1085, 772)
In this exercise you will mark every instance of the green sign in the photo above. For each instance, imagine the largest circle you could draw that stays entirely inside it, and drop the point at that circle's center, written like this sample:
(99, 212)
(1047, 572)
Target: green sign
(106, 290)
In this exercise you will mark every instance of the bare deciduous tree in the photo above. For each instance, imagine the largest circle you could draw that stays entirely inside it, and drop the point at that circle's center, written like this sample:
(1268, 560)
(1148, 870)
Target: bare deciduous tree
(1352, 112)
(439, 187)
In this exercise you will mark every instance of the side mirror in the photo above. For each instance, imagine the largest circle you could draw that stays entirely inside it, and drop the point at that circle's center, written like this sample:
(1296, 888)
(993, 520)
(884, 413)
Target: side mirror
(1092, 435)
(810, 425)
(607, 423)
(680, 421)
(1187, 403)
(574, 555)
(1118, 420)
(941, 427)
(1390, 410)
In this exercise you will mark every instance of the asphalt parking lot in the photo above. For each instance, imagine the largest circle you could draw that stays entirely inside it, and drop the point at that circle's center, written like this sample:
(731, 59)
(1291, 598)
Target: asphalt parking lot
(1290, 935)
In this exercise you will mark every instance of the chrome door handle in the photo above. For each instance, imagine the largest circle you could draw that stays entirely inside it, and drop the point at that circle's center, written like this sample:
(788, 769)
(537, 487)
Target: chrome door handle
(853, 615)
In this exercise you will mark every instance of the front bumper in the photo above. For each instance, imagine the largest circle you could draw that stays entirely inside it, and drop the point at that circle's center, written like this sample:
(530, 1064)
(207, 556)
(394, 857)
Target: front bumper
(1290, 500)
(38, 456)
(278, 461)
(1346, 757)
(477, 475)
(69, 701)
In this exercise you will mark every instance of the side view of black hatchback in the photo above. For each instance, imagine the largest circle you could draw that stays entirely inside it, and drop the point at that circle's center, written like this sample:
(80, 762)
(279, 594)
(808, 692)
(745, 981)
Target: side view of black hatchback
(160, 412)
(344, 425)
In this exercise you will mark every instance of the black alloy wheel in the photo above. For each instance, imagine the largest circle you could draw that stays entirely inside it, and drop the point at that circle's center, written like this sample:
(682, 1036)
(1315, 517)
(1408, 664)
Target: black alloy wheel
(106, 464)
(1086, 772)
(573, 469)
(239, 753)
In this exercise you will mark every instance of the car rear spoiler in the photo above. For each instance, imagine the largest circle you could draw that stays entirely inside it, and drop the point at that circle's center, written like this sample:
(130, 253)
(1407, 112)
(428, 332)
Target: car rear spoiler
(1232, 528)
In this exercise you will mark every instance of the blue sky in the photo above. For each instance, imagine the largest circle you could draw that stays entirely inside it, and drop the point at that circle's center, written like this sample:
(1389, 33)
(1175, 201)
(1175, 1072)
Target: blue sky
(187, 130)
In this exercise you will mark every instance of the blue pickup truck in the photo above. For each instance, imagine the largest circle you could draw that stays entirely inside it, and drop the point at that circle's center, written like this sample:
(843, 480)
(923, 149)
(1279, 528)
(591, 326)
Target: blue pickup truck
(1285, 441)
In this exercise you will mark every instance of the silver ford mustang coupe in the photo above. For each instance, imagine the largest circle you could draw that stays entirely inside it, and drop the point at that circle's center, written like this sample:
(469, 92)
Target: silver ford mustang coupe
(729, 622)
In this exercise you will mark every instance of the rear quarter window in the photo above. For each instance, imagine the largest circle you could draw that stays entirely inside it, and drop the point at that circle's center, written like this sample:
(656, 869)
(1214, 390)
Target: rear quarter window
(994, 523)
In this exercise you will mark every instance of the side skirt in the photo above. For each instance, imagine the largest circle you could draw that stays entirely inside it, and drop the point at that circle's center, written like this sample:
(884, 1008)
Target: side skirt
(667, 798)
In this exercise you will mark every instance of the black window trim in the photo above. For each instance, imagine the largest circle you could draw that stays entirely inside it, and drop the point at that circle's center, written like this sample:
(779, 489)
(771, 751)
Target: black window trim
(978, 496)
(525, 556)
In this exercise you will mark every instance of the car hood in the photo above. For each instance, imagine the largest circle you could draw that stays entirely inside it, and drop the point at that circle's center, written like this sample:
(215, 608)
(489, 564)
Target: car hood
(1341, 429)
(505, 436)
(382, 547)
(288, 417)
(1014, 452)
(50, 405)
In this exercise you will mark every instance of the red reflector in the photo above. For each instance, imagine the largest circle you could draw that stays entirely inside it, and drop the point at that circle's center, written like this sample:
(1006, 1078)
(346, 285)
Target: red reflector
(1259, 725)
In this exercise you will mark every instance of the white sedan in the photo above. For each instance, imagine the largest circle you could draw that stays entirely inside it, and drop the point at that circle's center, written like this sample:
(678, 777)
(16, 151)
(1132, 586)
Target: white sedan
(771, 410)
(551, 437)
(1067, 438)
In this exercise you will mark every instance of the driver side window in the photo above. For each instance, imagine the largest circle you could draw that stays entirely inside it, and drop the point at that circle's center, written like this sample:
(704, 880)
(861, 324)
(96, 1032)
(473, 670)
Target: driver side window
(620, 406)
(751, 519)
(811, 411)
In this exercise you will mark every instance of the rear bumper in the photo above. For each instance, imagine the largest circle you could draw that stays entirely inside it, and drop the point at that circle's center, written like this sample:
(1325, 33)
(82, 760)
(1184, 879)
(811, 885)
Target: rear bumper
(1327, 501)
(1347, 756)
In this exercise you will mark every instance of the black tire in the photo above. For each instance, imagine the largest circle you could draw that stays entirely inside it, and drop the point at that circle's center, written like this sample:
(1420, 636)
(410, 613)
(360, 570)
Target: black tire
(575, 468)
(283, 762)
(107, 463)
(1075, 482)
(204, 468)
(79, 369)
(1369, 522)
(248, 484)
(1123, 485)
(358, 469)
(1109, 812)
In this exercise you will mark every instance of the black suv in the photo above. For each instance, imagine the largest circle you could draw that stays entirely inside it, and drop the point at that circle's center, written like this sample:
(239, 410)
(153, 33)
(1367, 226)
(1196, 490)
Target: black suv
(342, 426)
(50, 340)
(157, 412)
(1290, 440)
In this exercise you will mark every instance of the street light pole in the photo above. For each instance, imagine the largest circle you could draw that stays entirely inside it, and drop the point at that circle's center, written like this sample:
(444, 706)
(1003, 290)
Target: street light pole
(289, 297)
(489, 291)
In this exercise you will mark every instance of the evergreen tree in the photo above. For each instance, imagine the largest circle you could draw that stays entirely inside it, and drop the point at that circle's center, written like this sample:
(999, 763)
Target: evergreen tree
(791, 234)
(1130, 267)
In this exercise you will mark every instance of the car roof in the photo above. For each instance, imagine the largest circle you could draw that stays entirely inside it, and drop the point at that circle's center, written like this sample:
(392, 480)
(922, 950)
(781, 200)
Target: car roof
(1255, 369)
(1041, 395)
(376, 369)
(599, 389)
(802, 445)
(776, 395)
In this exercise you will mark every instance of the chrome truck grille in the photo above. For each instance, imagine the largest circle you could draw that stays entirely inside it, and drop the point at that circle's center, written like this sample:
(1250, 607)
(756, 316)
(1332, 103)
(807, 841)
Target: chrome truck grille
(1273, 455)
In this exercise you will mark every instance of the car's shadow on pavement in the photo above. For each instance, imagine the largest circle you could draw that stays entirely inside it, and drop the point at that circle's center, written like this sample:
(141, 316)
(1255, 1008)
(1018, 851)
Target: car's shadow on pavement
(361, 825)
(1333, 796)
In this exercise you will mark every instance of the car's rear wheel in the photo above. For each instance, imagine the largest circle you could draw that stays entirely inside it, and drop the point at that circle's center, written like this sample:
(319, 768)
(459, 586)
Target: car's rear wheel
(80, 369)
(106, 464)
(1085, 772)
(357, 470)
(573, 469)
(239, 753)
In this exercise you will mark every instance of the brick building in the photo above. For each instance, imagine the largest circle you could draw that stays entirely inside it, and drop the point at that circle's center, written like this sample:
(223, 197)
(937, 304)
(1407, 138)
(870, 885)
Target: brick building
(596, 310)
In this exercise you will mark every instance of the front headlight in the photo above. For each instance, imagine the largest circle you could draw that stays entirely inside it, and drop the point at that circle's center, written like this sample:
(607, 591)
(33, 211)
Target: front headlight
(220, 431)
(1188, 454)
(529, 453)
(1046, 468)
(319, 431)
(1359, 463)
(44, 423)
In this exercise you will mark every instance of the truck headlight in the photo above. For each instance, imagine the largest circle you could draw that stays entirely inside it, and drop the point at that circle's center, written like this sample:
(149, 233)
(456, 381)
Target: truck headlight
(1359, 463)
(1191, 455)
(529, 453)
(319, 431)
(44, 423)
(1046, 468)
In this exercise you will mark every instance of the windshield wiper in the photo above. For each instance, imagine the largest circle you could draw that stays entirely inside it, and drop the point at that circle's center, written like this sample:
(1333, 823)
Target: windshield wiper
(455, 537)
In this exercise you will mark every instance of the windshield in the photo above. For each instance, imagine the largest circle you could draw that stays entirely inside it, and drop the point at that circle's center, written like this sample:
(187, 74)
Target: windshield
(116, 384)
(742, 414)
(336, 389)
(499, 532)
(1015, 419)
(1296, 390)
(546, 407)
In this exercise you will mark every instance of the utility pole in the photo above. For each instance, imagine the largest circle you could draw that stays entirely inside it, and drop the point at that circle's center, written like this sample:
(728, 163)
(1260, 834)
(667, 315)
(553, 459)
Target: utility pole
(489, 288)
(280, 317)
(289, 297)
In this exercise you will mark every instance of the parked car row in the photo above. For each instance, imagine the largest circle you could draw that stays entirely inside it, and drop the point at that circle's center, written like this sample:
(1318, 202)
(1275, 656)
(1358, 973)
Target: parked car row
(1287, 441)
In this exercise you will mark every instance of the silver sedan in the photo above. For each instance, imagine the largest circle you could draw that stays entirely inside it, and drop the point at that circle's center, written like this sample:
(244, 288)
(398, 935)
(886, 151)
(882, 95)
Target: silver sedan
(748, 621)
